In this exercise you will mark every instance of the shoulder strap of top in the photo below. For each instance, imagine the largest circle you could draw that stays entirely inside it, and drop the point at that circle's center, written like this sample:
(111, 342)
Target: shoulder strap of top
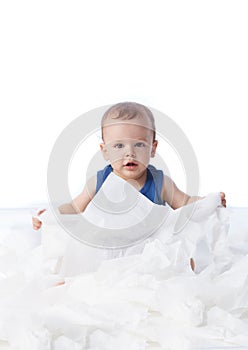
(158, 177)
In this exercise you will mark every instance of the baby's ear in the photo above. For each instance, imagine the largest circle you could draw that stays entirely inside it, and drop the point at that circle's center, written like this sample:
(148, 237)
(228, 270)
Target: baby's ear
(154, 147)
(104, 151)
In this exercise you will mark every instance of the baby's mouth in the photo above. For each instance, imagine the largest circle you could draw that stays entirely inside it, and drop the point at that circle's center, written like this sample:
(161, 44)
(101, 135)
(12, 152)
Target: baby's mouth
(131, 165)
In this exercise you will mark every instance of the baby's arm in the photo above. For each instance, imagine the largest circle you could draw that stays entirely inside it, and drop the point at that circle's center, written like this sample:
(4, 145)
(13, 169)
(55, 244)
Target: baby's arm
(175, 197)
(77, 205)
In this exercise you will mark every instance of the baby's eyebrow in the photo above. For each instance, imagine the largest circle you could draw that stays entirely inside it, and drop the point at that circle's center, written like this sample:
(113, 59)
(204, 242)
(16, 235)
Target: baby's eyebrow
(141, 139)
(128, 139)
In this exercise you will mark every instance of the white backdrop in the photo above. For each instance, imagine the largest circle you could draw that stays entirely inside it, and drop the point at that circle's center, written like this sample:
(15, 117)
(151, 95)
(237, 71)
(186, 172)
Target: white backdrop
(60, 59)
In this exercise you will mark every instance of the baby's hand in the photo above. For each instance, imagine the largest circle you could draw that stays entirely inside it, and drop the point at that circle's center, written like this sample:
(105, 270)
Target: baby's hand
(36, 222)
(223, 199)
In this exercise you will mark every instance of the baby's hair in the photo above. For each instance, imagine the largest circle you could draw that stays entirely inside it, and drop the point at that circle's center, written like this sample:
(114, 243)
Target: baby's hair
(128, 111)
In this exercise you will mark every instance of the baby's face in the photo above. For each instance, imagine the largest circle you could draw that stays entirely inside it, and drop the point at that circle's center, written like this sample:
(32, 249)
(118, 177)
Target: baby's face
(128, 147)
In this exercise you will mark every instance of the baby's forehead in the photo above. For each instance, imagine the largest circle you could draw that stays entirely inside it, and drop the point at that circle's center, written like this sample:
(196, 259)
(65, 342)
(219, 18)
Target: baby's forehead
(144, 123)
(127, 131)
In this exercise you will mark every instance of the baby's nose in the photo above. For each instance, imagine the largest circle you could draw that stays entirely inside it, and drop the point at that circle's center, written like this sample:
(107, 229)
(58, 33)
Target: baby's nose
(129, 151)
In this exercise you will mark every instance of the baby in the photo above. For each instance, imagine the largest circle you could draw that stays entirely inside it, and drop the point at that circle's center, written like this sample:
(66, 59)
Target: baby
(129, 141)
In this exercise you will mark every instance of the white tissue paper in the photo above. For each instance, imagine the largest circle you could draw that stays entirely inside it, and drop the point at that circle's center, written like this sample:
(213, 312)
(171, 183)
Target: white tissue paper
(141, 295)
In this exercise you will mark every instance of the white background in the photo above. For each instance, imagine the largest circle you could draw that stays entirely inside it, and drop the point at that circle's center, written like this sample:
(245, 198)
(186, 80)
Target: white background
(60, 59)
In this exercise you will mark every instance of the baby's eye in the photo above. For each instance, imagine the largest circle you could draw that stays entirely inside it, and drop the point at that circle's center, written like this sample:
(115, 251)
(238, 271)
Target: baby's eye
(118, 145)
(140, 144)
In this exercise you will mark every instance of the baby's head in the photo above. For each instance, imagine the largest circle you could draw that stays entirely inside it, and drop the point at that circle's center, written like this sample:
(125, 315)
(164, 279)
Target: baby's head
(130, 113)
(128, 133)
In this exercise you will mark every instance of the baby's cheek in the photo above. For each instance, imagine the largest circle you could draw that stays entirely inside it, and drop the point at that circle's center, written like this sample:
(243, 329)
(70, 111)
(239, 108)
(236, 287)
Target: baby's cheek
(115, 156)
(143, 157)
(116, 163)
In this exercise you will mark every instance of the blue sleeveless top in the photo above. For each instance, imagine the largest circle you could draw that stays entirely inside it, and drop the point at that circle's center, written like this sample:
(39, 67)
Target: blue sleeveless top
(151, 189)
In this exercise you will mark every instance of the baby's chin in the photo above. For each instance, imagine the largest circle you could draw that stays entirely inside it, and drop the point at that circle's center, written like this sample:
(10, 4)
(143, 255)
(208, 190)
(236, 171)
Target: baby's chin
(131, 174)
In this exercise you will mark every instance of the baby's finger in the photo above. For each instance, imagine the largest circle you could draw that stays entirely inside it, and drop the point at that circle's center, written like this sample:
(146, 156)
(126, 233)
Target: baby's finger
(223, 198)
(60, 283)
(37, 226)
(41, 211)
(35, 220)
(222, 195)
(192, 264)
(36, 223)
